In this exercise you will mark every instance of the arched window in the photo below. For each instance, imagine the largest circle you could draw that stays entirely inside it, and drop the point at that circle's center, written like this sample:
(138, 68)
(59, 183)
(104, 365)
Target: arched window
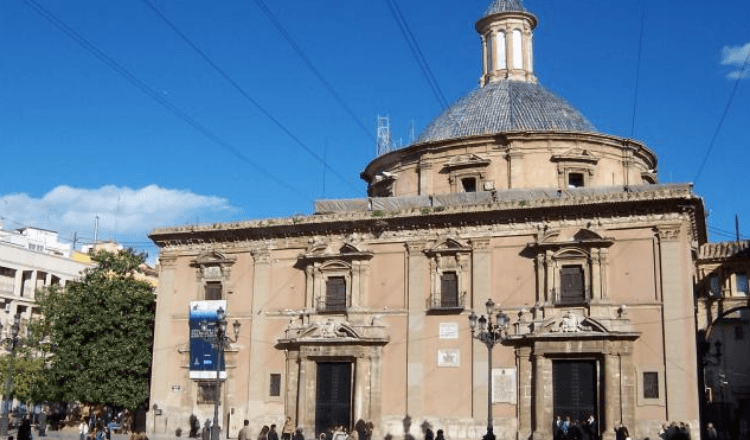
(517, 50)
(500, 51)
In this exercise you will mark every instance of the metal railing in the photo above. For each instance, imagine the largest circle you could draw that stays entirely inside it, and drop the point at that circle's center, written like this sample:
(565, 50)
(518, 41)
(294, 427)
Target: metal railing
(438, 301)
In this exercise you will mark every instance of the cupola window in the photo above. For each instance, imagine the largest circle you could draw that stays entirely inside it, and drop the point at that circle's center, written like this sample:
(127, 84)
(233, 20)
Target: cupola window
(517, 50)
(469, 184)
(742, 284)
(575, 180)
(500, 51)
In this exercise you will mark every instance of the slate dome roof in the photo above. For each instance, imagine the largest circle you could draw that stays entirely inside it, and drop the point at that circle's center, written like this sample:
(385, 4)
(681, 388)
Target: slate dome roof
(498, 6)
(506, 106)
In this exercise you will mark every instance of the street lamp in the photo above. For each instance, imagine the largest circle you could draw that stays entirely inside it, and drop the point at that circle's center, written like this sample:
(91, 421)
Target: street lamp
(9, 381)
(219, 342)
(483, 329)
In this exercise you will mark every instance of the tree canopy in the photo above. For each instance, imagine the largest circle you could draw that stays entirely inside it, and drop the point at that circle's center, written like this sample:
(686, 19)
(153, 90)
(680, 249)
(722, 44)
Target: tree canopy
(99, 332)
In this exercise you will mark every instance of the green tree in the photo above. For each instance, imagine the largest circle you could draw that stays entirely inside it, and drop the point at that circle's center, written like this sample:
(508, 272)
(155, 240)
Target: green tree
(100, 332)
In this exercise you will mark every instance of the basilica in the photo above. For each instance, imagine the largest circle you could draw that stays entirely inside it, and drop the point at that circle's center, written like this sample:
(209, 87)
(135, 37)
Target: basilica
(512, 265)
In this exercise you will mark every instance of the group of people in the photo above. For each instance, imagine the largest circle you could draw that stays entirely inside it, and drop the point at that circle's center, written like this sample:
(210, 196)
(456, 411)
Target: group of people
(565, 429)
(288, 432)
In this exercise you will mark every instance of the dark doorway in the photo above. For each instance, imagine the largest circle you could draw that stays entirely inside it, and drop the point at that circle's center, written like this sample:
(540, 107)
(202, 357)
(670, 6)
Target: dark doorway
(333, 398)
(575, 389)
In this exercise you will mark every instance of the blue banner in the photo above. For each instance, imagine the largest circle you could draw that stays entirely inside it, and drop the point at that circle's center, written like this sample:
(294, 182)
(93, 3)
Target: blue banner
(204, 353)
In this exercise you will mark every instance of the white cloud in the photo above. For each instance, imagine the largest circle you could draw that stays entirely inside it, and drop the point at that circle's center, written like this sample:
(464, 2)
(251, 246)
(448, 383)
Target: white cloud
(125, 214)
(736, 56)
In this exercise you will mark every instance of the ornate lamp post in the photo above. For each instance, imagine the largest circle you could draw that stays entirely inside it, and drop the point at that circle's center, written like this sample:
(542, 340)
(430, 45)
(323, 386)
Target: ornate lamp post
(9, 382)
(483, 329)
(219, 342)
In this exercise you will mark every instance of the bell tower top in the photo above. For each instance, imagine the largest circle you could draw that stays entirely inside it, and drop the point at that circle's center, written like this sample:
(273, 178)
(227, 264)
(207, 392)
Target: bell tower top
(506, 30)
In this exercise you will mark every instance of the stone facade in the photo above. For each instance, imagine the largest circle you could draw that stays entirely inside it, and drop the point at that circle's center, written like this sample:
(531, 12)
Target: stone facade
(368, 300)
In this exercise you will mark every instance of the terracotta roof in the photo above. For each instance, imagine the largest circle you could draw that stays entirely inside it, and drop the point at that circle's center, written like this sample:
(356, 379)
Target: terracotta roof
(725, 249)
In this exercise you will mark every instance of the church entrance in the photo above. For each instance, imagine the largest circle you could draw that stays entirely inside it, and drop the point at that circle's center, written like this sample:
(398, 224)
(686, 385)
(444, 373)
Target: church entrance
(333, 397)
(575, 389)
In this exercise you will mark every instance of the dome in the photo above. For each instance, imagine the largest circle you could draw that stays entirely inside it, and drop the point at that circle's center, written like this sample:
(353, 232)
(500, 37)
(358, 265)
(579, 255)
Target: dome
(499, 6)
(506, 106)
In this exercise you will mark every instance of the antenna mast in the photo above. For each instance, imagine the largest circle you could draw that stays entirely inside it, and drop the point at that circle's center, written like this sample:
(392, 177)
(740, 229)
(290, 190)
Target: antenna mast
(385, 143)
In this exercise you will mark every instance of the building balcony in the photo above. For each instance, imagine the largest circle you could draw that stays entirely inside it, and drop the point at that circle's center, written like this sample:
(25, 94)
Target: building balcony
(437, 302)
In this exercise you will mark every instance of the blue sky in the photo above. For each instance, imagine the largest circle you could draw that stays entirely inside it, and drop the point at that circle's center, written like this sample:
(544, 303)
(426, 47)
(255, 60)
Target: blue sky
(78, 140)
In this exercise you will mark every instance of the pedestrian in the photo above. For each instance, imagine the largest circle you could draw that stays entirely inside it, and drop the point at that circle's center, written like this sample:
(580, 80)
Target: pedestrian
(272, 434)
(24, 431)
(83, 430)
(298, 434)
(42, 424)
(264, 433)
(621, 432)
(195, 426)
(566, 427)
(439, 435)
(206, 434)
(711, 433)
(590, 428)
(245, 433)
(287, 429)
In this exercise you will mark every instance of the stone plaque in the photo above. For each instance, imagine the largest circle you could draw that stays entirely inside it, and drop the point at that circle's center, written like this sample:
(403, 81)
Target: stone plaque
(504, 385)
(449, 357)
(448, 330)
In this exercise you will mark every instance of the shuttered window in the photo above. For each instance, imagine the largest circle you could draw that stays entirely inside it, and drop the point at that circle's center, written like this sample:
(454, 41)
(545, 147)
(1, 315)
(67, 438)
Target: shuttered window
(213, 290)
(336, 294)
(572, 285)
(449, 290)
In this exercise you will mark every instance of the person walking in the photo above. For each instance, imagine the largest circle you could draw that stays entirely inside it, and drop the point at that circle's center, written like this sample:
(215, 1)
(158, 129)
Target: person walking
(621, 432)
(272, 434)
(24, 431)
(264, 433)
(711, 433)
(245, 433)
(83, 430)
(439, 435)
(287, 429)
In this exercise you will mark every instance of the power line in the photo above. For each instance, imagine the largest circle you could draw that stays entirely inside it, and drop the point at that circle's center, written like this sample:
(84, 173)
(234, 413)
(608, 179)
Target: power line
(723, 116)
(242, 91)
(301, 53)
(143, 87)
(638, 67)
(417, 52)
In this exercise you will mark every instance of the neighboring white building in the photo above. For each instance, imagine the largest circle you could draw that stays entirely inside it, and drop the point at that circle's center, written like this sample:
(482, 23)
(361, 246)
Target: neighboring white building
(36, 239)
(31, 258)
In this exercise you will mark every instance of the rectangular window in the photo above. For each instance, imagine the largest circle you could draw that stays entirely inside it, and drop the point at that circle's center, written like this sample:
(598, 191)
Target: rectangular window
(449, 290)
(336, 294)
(572, 285)
(575, 180)
(714, 286)
(275, 390)
(208, 392)
(650, 385)
(469, 184)
(742, 285)
(213, 290)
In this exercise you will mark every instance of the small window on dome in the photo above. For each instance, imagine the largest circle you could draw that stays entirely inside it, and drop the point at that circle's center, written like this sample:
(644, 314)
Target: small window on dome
(575, 180)
(469, 184)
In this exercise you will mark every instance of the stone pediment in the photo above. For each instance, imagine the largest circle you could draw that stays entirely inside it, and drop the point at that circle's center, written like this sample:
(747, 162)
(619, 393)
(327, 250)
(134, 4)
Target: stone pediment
(466, 161)
(576, 155)
(213, 258)
(571, 322)
(333, 331)
(449, 246)
(347, 252)
(571, 237)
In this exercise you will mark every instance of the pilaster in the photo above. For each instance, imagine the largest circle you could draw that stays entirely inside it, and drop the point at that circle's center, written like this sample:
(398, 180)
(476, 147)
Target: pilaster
(257, 352)
(525, 388)
(481, 281)
(425, 178)
(612, 398)
(677, 302)
(542, 397)
(417, 274)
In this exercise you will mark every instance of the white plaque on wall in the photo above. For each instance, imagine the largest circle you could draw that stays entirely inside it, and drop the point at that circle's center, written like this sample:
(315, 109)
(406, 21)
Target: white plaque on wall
(504, 385)
(449, 357)
(448, 330)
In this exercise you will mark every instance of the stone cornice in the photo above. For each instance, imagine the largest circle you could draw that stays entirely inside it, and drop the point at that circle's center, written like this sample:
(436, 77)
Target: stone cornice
(662, 199)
